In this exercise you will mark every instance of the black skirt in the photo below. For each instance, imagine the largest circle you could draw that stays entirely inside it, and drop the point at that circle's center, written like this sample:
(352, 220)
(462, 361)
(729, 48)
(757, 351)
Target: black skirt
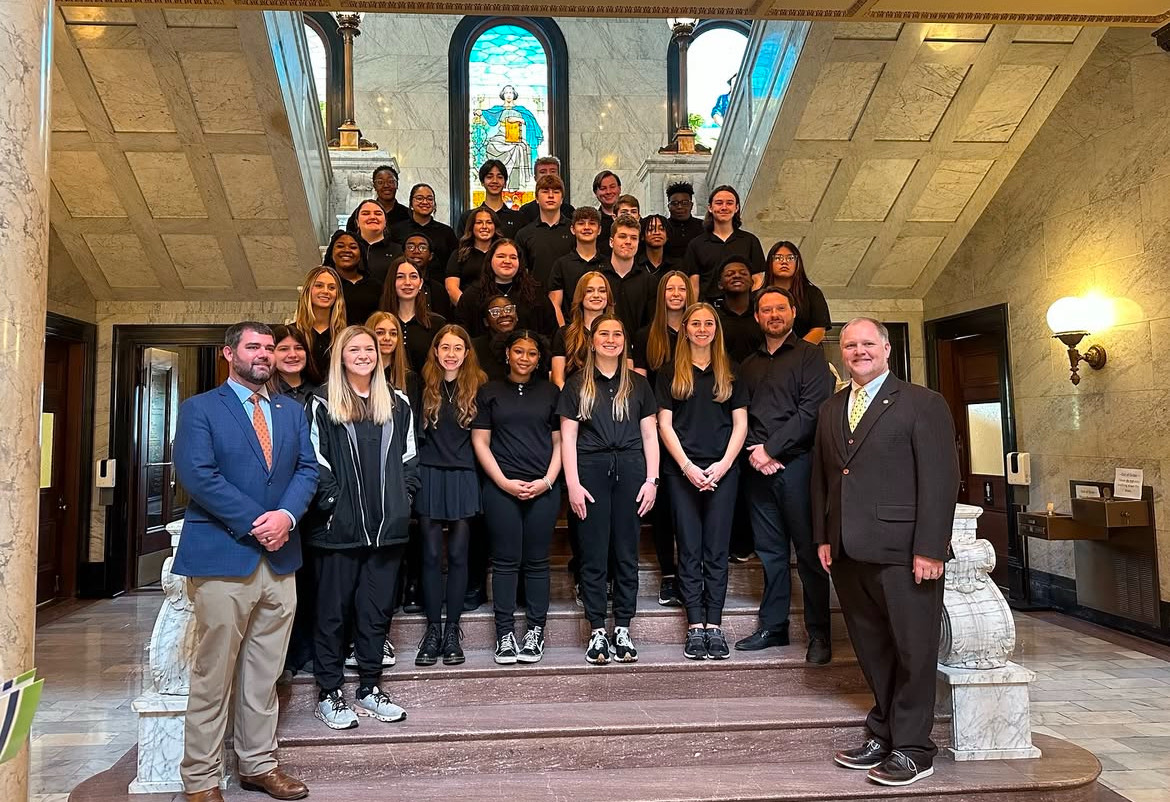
(447, 494)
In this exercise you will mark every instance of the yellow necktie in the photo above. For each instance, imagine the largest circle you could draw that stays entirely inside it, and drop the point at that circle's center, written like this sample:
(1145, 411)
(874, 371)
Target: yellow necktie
(858, 408)
(261, 427)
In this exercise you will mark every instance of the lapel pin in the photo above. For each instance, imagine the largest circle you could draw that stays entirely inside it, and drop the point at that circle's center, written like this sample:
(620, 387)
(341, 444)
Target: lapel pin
(277, 406)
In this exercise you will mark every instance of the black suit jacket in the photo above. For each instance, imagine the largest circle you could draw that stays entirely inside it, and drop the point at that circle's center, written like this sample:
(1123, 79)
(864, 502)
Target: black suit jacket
(887, 490)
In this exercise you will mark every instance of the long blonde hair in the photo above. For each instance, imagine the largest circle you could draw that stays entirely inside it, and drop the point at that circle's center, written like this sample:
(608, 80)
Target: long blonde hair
(682, 385)
(344, 404)
(621, 400)
(658, 345)
(467, 383)
(576, 333)
(306, 319)
(396, 370)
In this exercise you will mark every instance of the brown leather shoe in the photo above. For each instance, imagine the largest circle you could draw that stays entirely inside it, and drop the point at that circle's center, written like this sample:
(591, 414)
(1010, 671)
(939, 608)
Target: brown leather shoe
(276, 784)
(210, 795)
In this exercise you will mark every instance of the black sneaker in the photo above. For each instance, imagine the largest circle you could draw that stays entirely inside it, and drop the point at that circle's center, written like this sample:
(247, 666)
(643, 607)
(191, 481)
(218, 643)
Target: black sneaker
(899, 769)
(695, 646)
(411, 602)
(473, 599)
(598, 652)
(429, 646)
(506, 649)
(452, 651)
(869, 755)
(668, 593)
(533, 648)
(717, 645)
(623, 646)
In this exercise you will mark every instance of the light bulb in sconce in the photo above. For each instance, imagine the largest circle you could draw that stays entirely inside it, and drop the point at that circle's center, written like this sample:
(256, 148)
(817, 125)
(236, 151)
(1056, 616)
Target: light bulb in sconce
(1071, 319)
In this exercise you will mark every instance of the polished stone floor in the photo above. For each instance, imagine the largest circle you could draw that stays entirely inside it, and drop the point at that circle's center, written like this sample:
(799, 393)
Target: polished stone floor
(1109, 696)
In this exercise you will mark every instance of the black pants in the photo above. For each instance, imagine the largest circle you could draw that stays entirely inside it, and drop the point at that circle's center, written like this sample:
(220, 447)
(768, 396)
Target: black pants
(782, 521)
(663, 526)
(742, 542)
(432, 568)
(703, 522)
(611, 523)
(521, 535)
(894, 625)
(355, 593)
(300, 644)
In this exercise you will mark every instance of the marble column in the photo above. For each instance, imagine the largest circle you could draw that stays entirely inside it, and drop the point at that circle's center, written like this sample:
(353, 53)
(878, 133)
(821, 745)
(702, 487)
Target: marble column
(25, 62)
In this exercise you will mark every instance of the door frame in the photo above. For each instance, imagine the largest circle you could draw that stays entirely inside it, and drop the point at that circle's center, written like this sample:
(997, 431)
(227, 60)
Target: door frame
(121, 558)
(991, 320)
(82, 337)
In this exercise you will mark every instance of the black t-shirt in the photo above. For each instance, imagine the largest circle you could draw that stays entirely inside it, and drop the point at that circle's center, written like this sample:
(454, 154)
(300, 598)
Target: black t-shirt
(706, 252)
(489, 350)
(543, 245)
(679, 234)
(322, 344)
(379, 257)
(369, 456)
(537, 315)
(530, 212)
(521, 418)
(442, 237)
(417, 339)
(601, 433)
(633, 296)
(642, 359)
(361, 299)
(813, 313)
(567, 271)
(510, 221)
(703, 425)
(448, 445)
(468, 271)
(741, 333)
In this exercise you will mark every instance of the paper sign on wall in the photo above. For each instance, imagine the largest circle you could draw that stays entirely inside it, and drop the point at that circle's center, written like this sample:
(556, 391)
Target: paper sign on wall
(1088, 491)
(1127, 483)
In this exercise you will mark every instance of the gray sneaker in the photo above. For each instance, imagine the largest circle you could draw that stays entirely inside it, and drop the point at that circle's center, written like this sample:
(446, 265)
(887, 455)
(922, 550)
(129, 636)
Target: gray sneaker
(334, 711)
(377, 704)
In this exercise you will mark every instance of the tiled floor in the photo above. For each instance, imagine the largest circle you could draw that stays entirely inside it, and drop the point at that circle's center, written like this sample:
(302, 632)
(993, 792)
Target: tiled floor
(1113, 699)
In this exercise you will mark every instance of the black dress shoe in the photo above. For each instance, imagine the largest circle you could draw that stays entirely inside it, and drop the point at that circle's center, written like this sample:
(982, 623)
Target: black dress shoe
(899, 769)
(473, 599)
(869, 755)
(819, 652)
(411, 603)
(762, 639)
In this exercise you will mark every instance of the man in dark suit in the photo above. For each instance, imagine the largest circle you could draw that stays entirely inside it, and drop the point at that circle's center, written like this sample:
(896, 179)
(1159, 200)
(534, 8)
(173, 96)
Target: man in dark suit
(885, 480)
(245, 459)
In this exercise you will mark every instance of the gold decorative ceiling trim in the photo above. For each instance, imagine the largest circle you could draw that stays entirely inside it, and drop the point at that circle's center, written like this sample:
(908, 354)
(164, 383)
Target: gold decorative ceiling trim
(1063, 19)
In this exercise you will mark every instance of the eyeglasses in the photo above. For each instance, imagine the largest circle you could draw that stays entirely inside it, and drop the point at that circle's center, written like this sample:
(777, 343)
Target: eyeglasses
(496, 311)
(417, 246)
(391, 182)
(789, 258)
(676, 204)
(423, 198)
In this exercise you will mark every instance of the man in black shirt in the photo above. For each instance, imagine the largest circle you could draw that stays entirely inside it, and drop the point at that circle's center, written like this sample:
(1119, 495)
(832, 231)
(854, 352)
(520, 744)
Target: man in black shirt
(567, 270)
(631, 285)
(741, 332)
(607, 188)
(529, 212)
(549, 238)
(682, 226)
(787, 380)
(493, 174)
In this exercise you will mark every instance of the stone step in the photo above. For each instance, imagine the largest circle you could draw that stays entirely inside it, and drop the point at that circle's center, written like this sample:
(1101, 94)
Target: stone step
(566, 624)
(563, 676)
(449, 742)
(745, 579)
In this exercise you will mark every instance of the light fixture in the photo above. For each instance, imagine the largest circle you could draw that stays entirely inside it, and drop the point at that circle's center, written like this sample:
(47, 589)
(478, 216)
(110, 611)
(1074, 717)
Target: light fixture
(1071, 320)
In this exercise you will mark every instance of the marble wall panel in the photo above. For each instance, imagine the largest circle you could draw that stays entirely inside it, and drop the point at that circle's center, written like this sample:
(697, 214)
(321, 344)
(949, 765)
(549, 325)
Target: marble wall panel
(65, 115)
(1047, 33)
(875, 188)
(922, 100)
(1004, 102)
(198, 260)
(187, 18)
(943, 32)
(117, 37)
(221, 87)
(905, 261)
(1106, 230)
(838, 100)
(273, 259)
(868, 30)
(122, 260)
(837, 260)
(85, 185)
(129, 90)
(109, 15)
(949, 189)
(251, 186)
(68, 294)
(800, 185)
(167, 184)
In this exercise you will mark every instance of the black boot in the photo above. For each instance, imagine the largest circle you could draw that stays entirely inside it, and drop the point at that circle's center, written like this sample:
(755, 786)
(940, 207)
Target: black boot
(411, 603)
(430, 646)
(452, 651)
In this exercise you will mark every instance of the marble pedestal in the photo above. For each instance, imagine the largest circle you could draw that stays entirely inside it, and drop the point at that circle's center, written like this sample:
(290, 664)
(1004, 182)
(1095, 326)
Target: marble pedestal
(663, 169)
(353, 179)
(989, 709)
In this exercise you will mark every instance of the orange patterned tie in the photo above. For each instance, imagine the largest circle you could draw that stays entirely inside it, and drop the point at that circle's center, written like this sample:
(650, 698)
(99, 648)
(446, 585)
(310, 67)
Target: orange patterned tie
(261, 427)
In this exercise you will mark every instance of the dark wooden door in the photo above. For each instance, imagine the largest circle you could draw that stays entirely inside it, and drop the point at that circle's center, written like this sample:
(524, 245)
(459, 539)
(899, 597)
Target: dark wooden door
(57, 535)
(969, 373)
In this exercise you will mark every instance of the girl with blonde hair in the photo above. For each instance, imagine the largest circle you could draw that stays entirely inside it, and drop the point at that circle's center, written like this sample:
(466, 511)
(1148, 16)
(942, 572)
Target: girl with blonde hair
(321, 314)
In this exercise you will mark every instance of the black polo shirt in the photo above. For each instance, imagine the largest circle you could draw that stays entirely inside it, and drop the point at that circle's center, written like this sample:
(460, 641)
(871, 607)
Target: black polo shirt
(543, 245)
(785, 390)
(703, 425)
(813, 313)
(442, 237)
(521, 418)
(447, 445)
(741, 333)
(395, 215)
(510, 221)
(633, 296)
(361, 299)
(706, 252)
(489, 350)
(530, 212)
(601, 433)
(379, 257)
(658, 271)
(567, 271)
(417, 339)
(679, 234)
(469, 270)
(642, 342)
(537, 314)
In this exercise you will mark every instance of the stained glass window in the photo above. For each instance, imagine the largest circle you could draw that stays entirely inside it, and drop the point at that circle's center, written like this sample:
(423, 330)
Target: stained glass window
(713, 63)
(508, 83)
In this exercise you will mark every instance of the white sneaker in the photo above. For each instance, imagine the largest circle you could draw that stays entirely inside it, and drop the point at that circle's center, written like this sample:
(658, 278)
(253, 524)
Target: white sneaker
(388, 658)
(378, 705)
(623, 646)
(351, 661)
(334, 711)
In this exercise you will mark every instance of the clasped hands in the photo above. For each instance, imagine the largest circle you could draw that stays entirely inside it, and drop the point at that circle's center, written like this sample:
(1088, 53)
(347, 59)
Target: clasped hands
(706, 478)
(272, 529)
(924, 567)
(760, 460)
(525, 491)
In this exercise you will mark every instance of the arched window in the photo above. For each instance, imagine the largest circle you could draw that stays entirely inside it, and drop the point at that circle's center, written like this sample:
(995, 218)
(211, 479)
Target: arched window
(319, 63)
(509, 101)
(326, 54)
(713, 62)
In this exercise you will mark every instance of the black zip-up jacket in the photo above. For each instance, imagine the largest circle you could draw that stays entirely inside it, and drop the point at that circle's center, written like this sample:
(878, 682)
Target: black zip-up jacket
(335, 520)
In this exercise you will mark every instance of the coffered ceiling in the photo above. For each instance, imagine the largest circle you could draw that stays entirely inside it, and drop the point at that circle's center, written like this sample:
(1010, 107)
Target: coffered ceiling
(173, 171)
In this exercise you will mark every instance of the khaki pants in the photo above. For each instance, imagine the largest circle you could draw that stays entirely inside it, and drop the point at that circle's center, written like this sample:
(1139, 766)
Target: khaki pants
(242, 627)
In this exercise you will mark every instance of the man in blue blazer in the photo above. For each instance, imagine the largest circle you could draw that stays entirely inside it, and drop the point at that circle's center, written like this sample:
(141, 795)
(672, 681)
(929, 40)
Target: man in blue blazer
(245, 459)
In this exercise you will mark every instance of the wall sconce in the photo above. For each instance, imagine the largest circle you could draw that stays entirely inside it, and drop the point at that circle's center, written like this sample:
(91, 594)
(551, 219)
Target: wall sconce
(1071, 320)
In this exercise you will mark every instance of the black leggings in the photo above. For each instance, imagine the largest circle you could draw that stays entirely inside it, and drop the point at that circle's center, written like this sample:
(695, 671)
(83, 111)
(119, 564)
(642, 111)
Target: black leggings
(611, 523)
(432, 568)
(521, 536)
(704, 520)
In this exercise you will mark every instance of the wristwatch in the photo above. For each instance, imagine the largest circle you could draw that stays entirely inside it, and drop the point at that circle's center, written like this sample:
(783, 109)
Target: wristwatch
(652, 480)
